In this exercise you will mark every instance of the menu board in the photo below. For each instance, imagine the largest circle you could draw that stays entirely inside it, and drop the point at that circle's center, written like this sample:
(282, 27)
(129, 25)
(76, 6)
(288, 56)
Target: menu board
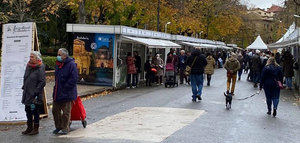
(17, 43)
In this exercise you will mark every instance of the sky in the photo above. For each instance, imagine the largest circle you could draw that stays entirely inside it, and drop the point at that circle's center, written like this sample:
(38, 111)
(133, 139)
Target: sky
(264, 4)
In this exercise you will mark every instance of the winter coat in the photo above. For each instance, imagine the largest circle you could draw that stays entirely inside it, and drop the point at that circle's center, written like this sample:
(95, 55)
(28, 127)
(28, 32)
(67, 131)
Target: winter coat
(210, 67)
(138, 63)
(200, 62)
(182, 62)
(159, 65)
(131, 69)
(33, 85)
(269, 77)
(241, 61)
(232, 64)
(66, 77)
(256, 63)
(288, 63)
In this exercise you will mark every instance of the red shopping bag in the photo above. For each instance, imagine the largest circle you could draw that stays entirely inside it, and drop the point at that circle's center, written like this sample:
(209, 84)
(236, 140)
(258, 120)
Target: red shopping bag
(78, 111)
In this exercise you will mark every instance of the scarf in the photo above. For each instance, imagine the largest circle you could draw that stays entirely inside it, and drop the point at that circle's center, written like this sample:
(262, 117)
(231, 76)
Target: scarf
(38, 64)
(59, 64)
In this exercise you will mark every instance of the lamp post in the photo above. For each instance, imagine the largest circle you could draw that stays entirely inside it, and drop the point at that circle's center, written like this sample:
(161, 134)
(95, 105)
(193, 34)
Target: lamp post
(166, 26)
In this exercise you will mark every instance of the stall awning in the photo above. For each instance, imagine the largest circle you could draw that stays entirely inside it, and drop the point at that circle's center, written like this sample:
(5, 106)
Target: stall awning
(153, 43)
(191, 44)
(208, 46)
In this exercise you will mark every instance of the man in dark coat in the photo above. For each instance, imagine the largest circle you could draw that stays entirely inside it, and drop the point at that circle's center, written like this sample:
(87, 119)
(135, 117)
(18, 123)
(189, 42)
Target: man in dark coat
(288, 62)
(138, 65)
(197, 62)
(256, 68)
(65, 90)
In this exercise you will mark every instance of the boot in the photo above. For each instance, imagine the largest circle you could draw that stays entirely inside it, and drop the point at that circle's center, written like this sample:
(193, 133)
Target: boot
(29, 128)
(274, 112)
(35, 129)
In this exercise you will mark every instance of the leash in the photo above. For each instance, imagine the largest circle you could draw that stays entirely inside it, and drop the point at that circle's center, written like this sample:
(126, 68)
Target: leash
(257, 93)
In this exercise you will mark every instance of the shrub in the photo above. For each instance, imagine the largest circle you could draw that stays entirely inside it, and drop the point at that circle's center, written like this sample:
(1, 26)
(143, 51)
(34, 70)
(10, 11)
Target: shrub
(49, 62)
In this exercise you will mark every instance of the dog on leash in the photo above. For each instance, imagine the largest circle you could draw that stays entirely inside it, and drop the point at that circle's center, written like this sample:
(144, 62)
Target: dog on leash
(228, 100)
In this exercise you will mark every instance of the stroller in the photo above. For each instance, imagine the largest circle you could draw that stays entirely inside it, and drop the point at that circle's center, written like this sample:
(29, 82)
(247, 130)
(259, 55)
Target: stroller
(170, 76)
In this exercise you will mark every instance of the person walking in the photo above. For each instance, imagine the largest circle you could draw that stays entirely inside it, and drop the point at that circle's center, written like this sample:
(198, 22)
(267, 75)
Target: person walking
(149, 73)
(33, 86)
(159, 64)
(232, 65)
(256, 68)
(288, 70)
(271, 74)
(138, 65)
(182, 65)
(197, 62)
(65, 90)
(241, 61)
(210, 67)
(131, 71)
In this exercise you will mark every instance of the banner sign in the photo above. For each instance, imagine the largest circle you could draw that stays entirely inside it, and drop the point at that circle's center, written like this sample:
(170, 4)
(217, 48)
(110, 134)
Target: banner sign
(93, 54)
(17, 43)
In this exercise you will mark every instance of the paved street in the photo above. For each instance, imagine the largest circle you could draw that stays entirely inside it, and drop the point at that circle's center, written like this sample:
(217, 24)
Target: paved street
(158, 114)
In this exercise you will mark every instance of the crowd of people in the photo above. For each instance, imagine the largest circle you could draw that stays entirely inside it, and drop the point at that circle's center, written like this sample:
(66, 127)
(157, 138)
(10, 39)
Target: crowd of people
(266, 70)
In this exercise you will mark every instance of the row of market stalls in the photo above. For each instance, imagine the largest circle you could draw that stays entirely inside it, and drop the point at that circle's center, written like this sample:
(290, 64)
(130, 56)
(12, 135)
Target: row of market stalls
(100, 51)
(290, 41)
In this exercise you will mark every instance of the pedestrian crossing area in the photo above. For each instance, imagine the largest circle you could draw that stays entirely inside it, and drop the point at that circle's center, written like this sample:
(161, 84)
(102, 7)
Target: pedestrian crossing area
(146, 124)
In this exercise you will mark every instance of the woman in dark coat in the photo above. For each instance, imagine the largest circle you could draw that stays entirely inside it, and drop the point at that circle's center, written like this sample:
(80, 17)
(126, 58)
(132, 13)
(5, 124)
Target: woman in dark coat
(288, 71)
(271, 73)
(34, 83)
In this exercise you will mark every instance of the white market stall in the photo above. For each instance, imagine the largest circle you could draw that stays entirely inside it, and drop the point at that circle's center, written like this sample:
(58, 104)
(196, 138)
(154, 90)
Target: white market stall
(258, 44)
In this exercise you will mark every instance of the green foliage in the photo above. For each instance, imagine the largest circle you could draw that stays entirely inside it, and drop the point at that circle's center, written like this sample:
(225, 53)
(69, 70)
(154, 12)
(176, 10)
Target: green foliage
(49, 62)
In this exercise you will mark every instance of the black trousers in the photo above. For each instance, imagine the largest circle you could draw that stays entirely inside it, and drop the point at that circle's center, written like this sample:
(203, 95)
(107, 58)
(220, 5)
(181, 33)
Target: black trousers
(32, 115)
(208, 78)
(182, 76)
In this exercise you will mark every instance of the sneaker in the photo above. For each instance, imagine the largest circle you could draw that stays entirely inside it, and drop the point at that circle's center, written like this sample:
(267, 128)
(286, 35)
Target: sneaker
(56, 131)
(128, 87)
(194, 99)
(269, 112)
(64, 132)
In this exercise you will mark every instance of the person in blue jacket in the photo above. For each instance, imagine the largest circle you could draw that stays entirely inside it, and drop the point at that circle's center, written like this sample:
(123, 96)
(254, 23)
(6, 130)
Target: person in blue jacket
(271, 73)
(65, 90)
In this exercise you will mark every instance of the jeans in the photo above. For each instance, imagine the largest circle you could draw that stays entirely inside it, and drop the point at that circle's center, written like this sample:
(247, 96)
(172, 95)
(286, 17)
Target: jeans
(197, 84)
(269, 102)
(256, 77)
(62, 113)
(288, 81)
(240, 73)
(134, 79)
(35, 113)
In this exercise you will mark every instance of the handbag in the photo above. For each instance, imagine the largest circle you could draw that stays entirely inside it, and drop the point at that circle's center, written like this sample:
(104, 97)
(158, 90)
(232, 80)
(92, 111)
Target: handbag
(279, 84)
(188, 69)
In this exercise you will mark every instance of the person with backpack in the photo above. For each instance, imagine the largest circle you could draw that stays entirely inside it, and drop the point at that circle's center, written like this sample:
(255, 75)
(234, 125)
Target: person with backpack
(232, 65)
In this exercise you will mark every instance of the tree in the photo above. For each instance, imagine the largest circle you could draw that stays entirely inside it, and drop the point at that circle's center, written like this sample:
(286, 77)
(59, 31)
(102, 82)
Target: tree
(28, 10)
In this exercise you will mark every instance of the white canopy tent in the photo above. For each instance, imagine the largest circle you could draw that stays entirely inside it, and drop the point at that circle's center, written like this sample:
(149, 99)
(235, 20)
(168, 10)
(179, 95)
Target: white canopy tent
(258, 44)
(288, 33)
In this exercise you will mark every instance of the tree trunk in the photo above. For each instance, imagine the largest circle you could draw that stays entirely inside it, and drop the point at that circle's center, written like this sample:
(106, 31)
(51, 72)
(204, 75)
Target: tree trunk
(82, 14)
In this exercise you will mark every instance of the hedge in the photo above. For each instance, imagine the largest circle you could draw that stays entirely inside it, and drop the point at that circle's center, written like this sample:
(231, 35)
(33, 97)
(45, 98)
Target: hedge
(49, 62)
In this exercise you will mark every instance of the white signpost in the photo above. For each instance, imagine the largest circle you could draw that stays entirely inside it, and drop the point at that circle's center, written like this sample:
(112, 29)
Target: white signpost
(17, 43)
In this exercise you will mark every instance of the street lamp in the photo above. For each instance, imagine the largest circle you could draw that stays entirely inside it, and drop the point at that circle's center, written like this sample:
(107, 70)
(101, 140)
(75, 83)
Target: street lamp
(166, 26)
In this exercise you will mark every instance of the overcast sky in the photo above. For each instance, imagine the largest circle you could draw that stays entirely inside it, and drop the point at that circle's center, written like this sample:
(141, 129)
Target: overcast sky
(264, 4)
